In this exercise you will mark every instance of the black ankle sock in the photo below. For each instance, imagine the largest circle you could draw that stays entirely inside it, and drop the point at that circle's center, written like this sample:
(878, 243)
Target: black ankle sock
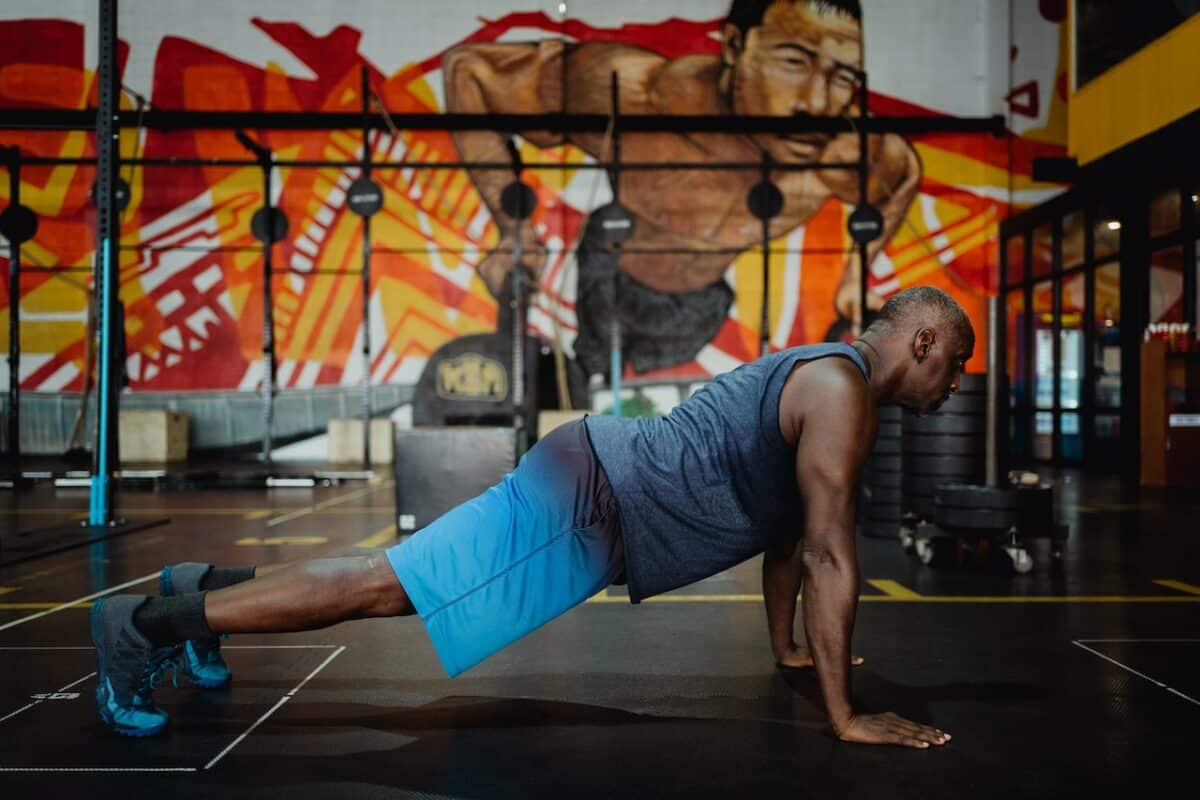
(220, 577)
(167, 621)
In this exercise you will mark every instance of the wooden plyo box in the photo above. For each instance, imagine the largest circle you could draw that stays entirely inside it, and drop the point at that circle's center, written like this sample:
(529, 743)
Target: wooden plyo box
(437, 468)
(549, 420)
(150, 435)
(346, 441)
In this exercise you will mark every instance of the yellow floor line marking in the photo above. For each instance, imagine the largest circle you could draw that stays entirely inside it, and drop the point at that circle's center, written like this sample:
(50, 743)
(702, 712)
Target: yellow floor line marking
(1186, 588)
(1101, 598)
(78, 601)
(300, 541)
(379, 538)
(894, 589)
(8, 589)
(754, 598)
(880, 598)
(332, 501)
(259, 514)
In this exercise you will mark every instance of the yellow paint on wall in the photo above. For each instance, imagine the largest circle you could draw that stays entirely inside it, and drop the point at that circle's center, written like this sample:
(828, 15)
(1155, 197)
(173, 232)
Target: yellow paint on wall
(1152, 88)
(237, 297)
(327, 303)
(245, 259)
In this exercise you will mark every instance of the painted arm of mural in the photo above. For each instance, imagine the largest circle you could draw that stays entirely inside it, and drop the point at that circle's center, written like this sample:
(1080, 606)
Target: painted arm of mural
(893, 181)
(504, 79)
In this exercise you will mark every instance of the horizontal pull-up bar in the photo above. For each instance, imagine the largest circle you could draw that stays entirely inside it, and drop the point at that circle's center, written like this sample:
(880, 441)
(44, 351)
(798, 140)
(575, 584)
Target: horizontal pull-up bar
(173, 120)
(394, 165)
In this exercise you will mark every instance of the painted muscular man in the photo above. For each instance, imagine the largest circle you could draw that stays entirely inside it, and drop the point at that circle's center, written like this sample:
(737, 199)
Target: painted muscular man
(778, 57)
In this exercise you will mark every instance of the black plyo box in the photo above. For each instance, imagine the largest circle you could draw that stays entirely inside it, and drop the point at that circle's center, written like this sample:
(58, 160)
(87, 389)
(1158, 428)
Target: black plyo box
(436, 468)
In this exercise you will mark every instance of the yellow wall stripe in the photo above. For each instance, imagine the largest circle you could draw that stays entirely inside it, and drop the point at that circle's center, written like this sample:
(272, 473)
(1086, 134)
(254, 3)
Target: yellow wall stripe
(1152, 88)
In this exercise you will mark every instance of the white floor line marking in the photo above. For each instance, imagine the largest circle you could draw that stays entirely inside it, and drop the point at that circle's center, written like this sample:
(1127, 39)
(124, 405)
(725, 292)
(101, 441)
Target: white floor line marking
(26, 707)
(56, 609)
(333, 501)
(79, 647)
(98, 769)
(275, 707)
(279, 646)
(223, 647)
(1159, 684)
(42, 700)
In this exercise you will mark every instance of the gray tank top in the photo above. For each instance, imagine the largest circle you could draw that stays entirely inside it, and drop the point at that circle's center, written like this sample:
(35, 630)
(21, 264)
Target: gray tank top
(713, 482)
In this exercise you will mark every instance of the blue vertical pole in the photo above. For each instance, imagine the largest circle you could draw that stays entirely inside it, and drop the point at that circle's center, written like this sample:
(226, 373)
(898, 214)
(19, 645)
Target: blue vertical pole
(108, 232)
(100, 511)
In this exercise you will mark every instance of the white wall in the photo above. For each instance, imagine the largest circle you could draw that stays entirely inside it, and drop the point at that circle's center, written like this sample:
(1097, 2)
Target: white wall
(946, 55)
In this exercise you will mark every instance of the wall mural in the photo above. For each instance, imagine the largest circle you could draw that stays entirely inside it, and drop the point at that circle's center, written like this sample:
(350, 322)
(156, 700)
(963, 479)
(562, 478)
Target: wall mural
(689, 285)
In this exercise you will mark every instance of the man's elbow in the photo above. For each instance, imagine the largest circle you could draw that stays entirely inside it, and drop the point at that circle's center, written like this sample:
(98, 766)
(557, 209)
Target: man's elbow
(460, 68)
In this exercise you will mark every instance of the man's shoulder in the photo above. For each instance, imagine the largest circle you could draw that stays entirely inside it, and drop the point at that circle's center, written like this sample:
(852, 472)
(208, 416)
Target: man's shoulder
(830, 384)
(686, 84)
(606, 56)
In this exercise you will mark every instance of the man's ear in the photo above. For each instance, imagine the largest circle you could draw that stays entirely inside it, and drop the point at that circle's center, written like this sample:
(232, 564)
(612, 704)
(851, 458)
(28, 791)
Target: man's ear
(731, 44)
(923, 343)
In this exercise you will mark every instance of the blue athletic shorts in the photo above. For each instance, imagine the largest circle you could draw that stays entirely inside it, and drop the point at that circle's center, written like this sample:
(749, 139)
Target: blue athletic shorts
(543, 540)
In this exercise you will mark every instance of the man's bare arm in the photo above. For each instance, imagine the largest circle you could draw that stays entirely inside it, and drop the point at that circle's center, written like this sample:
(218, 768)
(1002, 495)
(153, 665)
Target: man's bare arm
(836, 411)
(783, 577)
(505, 79)
(783, 573)
(829, 454)
(893, 180)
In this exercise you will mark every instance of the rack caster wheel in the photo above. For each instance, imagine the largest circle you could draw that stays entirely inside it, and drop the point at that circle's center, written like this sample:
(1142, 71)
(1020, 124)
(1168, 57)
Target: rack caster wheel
(1021, 561)
(936, 552)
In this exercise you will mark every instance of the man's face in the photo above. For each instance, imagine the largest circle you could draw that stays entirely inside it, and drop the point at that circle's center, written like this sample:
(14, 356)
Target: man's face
(940, 358)
(798, 60)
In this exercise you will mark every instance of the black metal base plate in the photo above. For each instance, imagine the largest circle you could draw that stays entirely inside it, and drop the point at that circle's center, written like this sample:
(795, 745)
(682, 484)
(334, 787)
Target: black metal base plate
(23, 546)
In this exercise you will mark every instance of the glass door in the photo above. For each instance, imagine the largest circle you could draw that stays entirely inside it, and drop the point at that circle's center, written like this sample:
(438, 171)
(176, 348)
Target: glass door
(1043, 371)
(1070, 369)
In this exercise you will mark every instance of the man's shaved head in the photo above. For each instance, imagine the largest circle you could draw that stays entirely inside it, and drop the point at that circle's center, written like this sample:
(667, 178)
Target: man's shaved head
(920, 343)
(924, 305)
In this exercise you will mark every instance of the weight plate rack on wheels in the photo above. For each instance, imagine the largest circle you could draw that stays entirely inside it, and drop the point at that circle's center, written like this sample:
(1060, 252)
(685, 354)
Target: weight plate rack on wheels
(882, 479)
(945, 446)
(1010, 516)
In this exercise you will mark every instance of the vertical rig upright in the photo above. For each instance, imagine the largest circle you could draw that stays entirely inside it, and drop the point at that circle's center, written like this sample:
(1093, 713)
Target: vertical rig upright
(108, 232)
(365, 91)
(864, 160)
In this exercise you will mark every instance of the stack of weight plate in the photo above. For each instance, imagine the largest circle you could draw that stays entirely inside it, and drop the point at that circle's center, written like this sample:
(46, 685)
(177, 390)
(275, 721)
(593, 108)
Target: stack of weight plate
(970, 507)
(880, 513)
(946, 446)
(1025, 511)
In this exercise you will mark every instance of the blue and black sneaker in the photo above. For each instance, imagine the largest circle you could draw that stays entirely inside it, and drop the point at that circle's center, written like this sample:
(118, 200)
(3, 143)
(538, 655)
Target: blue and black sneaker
(199, 659)
(130, 668)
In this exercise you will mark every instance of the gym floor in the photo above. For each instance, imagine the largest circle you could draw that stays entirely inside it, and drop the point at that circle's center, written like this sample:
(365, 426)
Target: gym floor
(1072, 679)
